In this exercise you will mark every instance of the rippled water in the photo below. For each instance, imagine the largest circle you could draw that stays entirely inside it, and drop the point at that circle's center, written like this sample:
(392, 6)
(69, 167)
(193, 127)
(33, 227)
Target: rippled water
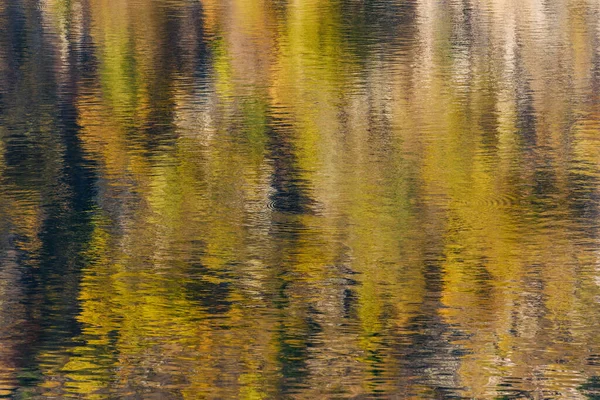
(300, 199)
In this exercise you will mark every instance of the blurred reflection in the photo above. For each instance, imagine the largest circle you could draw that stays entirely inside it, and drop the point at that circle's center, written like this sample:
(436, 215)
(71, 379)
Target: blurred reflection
(299, 199)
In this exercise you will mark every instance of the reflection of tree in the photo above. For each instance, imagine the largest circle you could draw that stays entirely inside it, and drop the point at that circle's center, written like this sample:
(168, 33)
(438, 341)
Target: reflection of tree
(267, 199)
(48, 185)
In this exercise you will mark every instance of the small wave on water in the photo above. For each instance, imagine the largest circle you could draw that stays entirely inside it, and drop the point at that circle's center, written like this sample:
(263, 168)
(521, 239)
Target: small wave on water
(491, 201)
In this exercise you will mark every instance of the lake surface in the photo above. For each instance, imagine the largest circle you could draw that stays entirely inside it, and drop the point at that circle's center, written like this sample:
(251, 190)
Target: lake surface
(300, 199)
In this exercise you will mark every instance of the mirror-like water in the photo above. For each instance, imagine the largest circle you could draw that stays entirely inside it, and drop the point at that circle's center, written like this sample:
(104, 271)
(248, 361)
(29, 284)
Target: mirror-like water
(300, 199)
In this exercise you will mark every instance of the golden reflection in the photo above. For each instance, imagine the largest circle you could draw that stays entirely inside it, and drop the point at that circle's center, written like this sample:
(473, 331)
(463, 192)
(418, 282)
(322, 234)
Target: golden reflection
(299, 199)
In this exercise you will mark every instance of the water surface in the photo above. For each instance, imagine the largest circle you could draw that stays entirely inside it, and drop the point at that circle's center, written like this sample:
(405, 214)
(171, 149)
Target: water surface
(300, 199)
